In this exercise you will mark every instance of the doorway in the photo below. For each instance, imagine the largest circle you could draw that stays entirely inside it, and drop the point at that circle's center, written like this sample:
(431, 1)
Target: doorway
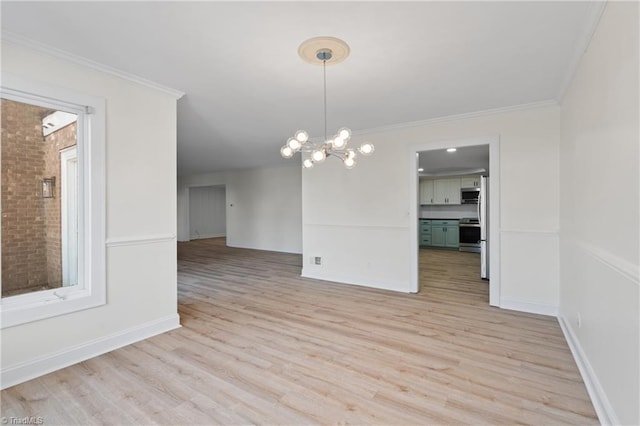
(449, 202)
(207, 212)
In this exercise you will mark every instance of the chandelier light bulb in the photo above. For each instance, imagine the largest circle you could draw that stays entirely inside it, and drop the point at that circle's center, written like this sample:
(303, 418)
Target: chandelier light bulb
(344, 133)
(307, 163)
(301, 136)
(339, 142)
(318, 155)
(366, 148)
(350, 154)
(349, 162)
(286, 152)
(294, 144)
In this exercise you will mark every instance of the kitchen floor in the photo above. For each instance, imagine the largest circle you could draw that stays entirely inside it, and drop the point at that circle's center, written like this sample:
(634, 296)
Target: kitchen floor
(453, 271)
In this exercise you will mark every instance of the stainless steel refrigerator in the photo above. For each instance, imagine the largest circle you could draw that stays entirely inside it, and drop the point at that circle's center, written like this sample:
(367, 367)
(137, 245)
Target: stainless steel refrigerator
(483, 218)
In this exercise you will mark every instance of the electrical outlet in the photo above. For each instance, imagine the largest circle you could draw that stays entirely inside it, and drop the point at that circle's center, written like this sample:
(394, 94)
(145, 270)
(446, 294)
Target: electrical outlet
(316, 260)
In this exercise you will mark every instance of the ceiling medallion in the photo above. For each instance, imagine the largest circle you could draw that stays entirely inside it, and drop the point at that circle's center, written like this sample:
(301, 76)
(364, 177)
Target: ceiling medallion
(324, 51)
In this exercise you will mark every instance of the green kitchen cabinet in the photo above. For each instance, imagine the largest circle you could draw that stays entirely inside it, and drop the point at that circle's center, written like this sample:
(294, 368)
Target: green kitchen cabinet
(445, 233)
(424, 231)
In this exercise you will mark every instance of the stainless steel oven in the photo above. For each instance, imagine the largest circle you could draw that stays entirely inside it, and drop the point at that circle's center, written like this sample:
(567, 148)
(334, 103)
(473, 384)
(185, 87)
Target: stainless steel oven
(469, 235)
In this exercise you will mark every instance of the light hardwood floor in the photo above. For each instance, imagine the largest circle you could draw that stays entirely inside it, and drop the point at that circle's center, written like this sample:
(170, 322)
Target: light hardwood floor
(260, 345)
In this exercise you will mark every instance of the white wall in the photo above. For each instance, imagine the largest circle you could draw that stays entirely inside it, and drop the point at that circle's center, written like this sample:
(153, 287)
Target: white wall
(207, 212)
(448, 212)
(140, 216)
(599, 213)
(358, 220)
(264, 207)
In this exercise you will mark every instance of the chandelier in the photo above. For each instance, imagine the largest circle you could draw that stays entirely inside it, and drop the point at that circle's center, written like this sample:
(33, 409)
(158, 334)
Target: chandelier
(323, 51)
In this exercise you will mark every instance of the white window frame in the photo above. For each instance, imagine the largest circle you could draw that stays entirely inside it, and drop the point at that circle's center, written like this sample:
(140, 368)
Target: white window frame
(66, 155)
(91, 289)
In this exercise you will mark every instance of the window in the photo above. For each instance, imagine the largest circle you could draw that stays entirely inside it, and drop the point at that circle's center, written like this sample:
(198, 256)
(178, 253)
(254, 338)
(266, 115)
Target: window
(53, 229)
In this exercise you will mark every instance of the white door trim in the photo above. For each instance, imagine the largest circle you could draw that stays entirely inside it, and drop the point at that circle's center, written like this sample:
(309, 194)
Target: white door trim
(494, 211)
(68, 155)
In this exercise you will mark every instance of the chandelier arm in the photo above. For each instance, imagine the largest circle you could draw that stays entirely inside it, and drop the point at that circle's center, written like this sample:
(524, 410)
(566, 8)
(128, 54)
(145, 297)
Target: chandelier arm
(338, 154)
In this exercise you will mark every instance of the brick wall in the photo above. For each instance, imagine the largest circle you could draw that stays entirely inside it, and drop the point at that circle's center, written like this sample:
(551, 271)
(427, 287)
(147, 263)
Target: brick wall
(30, 224)
(24, 261)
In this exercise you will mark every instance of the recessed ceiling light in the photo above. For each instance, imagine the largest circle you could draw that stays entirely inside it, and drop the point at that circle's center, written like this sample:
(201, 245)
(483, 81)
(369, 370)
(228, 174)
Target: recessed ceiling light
(451, 149)
(421, 169)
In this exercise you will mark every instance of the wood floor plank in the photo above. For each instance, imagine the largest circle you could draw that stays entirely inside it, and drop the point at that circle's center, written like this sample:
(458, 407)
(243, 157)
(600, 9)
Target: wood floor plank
(261, 345)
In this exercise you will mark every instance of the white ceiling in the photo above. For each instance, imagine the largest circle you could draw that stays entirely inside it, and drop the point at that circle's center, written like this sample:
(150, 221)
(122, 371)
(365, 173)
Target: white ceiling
(466, 160)
(247, 90)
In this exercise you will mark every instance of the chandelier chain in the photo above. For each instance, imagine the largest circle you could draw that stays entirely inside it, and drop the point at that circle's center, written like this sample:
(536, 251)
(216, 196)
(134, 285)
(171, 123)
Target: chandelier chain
(324, 73)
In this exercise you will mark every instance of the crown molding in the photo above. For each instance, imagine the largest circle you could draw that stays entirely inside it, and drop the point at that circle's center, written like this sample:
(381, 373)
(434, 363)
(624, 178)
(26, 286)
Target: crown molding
(594, 13)
(456, 117)
(15, 39)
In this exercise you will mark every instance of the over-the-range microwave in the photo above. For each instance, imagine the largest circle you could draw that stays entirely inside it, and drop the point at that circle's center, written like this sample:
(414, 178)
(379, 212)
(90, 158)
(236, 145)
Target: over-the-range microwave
(469, 195)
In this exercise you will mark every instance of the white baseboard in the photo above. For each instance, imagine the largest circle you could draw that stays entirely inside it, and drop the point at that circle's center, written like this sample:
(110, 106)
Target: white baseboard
(140, 240)
(525, 306)
(19, 373)
(604, 410)
(202, 236)
(381, 285)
